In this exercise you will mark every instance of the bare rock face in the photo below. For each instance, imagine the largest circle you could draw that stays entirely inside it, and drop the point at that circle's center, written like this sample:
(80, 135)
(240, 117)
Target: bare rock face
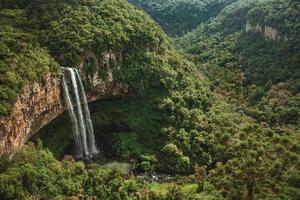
(34, 108)
(268, 32)
(39, 104)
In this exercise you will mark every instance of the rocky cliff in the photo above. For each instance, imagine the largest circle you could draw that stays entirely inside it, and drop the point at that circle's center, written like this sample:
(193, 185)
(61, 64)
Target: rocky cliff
(108, 41)
(268, 32)
(39, 104)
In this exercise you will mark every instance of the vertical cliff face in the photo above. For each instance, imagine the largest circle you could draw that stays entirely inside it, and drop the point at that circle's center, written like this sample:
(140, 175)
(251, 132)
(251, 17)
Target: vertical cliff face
(253, 28)
(268, 32)
(42, 102)
(34, 108)
(104, 85)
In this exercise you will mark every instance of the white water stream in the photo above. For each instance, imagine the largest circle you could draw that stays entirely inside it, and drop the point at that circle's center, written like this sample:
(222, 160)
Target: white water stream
(80, 115)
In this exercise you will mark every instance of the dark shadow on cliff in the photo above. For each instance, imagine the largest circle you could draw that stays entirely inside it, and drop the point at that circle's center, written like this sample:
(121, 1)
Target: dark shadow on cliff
(124, 129)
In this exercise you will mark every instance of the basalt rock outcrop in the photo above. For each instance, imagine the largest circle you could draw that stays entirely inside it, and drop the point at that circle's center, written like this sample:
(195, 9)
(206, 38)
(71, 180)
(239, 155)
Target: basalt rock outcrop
(268, 32)
(38, 104)
(42, 102)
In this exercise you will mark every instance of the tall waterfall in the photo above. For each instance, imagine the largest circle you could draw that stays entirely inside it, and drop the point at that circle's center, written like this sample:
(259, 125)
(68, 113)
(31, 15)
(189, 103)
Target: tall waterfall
(80, 115)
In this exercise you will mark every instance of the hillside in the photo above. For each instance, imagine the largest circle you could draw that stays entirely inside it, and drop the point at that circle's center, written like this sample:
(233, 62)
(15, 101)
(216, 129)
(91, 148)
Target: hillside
(177, 17)
(260, 50)
(216, 116)
(250, 52)
(69, 33)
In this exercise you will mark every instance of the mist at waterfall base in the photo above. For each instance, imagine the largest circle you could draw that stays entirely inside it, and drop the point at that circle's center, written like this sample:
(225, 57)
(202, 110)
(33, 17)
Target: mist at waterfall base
(76, 101)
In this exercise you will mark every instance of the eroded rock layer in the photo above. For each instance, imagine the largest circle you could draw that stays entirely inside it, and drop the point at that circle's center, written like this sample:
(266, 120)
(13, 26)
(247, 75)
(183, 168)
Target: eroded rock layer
(38, 105)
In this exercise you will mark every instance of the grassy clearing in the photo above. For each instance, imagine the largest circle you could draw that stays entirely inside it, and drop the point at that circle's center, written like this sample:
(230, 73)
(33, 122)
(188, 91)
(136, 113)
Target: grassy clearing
(163, 188)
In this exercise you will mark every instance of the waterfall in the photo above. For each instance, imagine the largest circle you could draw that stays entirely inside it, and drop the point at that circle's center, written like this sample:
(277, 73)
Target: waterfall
(80, 115)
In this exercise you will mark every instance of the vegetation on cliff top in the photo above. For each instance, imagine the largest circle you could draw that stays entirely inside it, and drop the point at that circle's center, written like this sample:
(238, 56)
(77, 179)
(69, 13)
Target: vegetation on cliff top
(178, 17)
(239, 139)
(70, 32)
(22, 59)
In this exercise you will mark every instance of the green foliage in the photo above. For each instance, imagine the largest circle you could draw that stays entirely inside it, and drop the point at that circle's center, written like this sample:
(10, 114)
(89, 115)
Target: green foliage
(74, 33)
(35, 173)
(232, 118)
(181, 16)
(258, 77)
(176, 161)
(278, 106)
(147, 163)
(247, 64)
(22, 60)
(259, 174)
(144, 167)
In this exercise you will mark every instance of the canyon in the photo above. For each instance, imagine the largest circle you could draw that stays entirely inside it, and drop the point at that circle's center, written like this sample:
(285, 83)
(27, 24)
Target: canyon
(41, 102)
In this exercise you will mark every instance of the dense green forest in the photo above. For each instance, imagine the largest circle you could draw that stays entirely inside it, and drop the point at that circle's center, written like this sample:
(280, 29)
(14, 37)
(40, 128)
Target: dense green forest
(178, 17)
(266, 71)
(218, 109)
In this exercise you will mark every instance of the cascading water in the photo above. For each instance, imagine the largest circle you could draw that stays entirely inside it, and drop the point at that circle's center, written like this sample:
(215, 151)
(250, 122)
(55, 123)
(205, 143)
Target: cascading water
(80, 114)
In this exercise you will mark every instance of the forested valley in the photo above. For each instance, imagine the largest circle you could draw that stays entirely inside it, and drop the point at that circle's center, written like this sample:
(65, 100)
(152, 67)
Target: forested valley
(150, 99)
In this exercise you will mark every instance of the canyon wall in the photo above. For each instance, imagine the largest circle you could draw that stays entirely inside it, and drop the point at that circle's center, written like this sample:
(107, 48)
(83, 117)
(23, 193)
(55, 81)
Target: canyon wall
(42, 102)
(38, 104)
(268, 32)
